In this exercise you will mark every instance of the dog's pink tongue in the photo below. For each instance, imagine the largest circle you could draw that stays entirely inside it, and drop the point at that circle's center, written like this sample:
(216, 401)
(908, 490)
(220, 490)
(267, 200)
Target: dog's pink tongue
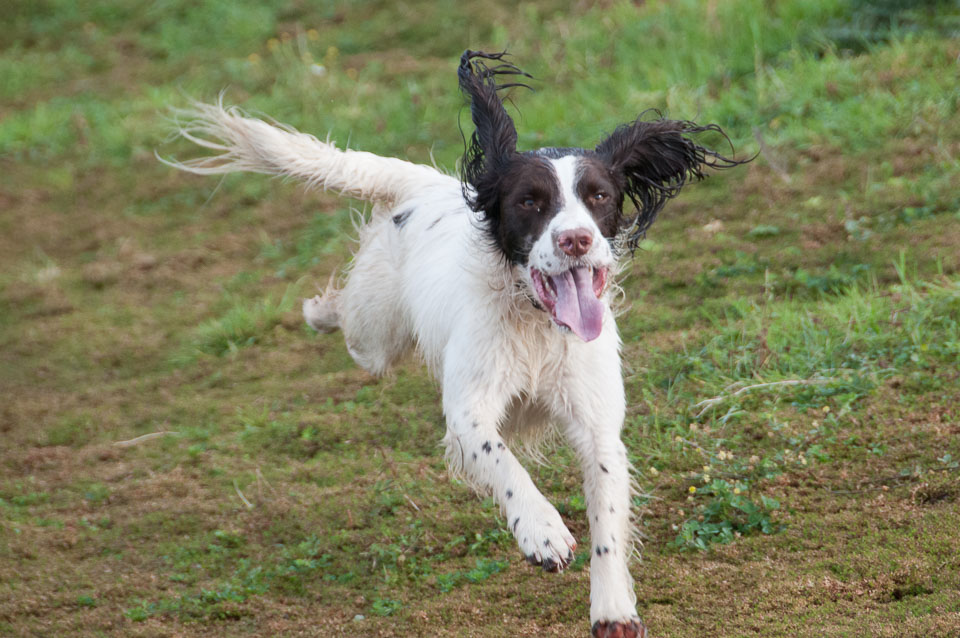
(577, 306)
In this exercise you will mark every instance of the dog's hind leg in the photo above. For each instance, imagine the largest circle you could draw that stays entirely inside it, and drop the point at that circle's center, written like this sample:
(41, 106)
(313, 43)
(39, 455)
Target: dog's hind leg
(369, 307)
(322, 312)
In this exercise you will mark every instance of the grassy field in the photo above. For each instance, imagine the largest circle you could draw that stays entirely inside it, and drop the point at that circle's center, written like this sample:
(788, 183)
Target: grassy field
(181, 456)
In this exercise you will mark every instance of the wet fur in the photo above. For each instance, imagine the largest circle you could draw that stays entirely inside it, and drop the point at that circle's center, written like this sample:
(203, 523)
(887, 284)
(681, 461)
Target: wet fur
(446, 266)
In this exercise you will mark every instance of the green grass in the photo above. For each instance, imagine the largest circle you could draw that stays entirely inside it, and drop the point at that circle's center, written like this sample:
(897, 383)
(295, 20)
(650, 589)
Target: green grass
(791, 329)
(240, 325)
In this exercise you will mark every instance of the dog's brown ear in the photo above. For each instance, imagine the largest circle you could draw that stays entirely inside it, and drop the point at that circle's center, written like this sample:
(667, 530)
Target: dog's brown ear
(494, 140)
(654, 159)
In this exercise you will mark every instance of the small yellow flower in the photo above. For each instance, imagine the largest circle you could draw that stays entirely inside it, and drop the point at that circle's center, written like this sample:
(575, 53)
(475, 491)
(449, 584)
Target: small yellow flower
(313, 34)
(754, 459)
(692, 489)
(706, 479)
(254, 58)
(654, 471)
(678, 439)
(736, 490)
(826, 409)
(706, 468)
(272, 44)
(332, 52)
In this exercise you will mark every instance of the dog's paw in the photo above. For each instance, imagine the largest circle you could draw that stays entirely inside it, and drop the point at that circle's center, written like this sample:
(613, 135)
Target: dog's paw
(320, 312)
(619, 629)
(543, 538)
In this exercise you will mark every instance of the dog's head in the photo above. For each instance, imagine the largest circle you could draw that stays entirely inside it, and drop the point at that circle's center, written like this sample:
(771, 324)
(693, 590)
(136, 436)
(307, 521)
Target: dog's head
(557, 213)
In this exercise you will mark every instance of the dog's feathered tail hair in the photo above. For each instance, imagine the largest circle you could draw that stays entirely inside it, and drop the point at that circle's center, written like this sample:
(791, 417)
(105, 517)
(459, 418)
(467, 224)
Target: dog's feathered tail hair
(247, 144)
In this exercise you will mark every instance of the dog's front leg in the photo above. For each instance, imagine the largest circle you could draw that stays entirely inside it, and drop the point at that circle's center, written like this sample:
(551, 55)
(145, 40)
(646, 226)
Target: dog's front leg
(474, 400)
(595, 412)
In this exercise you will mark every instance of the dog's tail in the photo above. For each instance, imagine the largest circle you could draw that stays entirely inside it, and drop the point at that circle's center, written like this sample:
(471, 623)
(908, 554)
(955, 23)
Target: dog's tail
(248, 144)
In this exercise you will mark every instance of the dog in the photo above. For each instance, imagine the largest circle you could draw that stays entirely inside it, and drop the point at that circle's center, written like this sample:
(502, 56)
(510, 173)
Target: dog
(503, 280)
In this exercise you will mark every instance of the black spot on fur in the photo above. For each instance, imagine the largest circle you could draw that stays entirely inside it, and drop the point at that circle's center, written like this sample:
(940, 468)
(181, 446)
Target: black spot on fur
(606, 550)
(515, 522)
(401, 218)
(500, 445)
(434, 223)
(474, 456)
(475, 424)
(546, 543)
(509, 493)
(604, 468)
(598, 551)
(487, 447)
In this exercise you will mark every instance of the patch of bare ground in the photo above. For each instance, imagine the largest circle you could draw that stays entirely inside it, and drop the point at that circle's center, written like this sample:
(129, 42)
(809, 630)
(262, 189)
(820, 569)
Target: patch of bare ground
(277, 490)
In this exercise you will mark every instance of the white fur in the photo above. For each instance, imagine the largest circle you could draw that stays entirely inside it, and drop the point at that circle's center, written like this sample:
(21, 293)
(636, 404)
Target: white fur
(544, 255)
(430, 280)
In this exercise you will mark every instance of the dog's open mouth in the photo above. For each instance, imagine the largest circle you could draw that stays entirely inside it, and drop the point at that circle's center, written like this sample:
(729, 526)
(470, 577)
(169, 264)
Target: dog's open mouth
(573, 298)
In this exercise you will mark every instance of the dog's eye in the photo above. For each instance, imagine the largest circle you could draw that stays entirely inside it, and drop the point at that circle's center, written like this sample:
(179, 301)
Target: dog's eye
(600, 196)
(529, 203)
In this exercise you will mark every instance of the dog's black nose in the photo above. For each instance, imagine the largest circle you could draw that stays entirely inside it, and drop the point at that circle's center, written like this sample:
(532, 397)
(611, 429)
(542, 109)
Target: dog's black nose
(575, 242)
